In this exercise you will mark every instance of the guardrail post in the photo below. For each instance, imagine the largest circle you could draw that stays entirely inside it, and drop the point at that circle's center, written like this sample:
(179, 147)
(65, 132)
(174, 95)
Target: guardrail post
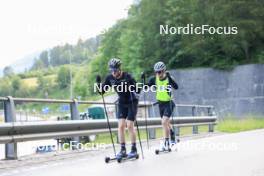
(75, 115)
(210, 126)
(209, 111)
(195, 127)
(10, 116)
(177, 131)
(151, 113)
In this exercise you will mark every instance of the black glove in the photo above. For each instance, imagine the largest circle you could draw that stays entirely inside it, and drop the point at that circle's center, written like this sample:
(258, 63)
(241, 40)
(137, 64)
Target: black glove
(98, 79)
(168, 74)
(143, 76)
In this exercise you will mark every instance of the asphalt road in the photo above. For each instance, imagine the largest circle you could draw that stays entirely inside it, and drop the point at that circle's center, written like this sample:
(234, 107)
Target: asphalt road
(239, 154)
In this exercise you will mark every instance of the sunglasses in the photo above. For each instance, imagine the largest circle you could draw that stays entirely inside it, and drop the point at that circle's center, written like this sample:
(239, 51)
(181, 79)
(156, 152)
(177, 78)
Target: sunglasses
(159, 72)
(114, 70)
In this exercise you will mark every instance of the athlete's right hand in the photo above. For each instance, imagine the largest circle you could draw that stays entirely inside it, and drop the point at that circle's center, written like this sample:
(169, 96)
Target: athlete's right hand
(143, 75)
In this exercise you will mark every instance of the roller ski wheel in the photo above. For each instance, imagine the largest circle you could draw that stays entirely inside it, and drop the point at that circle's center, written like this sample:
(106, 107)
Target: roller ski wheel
(108, 159)
(157, 152)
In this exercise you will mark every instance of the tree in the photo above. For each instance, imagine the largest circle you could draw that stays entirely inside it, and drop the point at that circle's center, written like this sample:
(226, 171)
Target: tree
(44, 57)
(64, 77)
(16, 84)
(138, 42)
(38, 64)
(44, 84)
(5, 87)
(8, 71)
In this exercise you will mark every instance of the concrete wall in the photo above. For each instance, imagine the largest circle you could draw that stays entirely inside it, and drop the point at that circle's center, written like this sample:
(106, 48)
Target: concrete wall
(239, 92)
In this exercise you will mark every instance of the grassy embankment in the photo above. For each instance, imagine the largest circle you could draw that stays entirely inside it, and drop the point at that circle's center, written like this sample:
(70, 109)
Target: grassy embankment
(229, 125)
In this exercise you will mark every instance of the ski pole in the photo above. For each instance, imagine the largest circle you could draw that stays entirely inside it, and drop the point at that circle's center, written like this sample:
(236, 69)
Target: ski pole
(98, 80)
(144, 96)
(172, 114)
(139, 139)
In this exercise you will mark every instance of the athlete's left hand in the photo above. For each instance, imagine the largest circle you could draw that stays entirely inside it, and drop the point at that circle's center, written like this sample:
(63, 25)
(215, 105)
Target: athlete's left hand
(98, 79)
(168, 74)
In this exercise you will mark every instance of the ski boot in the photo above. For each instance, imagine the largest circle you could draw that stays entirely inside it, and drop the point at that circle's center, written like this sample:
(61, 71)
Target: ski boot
(121, 154)
(132, 154)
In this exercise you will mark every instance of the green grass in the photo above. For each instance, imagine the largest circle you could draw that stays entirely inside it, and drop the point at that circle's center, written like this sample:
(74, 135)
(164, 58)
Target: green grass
(232, 125)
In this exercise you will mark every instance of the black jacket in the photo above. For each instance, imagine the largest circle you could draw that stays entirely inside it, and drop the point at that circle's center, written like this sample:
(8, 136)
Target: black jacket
(126, 80)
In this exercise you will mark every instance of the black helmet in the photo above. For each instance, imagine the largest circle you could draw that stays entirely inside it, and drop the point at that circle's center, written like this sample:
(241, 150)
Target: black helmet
(159, 66)
(114, 63)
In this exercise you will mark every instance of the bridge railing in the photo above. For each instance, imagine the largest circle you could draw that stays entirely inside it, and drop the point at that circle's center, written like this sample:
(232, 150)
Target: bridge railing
(12, 132)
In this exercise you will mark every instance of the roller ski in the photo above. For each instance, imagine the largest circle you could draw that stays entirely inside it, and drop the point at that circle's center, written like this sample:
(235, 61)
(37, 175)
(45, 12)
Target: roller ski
(165, 148)
(133, 155)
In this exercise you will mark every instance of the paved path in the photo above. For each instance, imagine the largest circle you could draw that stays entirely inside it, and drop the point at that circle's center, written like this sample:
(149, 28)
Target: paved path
(238, 154)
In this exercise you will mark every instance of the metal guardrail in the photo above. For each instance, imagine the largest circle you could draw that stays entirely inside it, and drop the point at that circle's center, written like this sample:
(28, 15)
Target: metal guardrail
(12, 132)
(21, 131)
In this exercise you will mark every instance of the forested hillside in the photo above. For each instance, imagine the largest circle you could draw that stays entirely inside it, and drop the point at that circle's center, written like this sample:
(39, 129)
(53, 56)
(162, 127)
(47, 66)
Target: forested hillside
(137, 41)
